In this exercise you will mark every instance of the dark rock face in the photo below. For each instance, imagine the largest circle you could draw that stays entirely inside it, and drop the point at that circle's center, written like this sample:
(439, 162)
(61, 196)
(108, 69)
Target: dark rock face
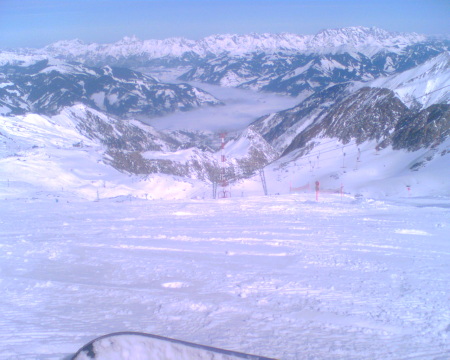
(135, 148)
(203, 167)
(367, 114)
(121, 134)
(426, 129)
(126, 142)
(275, 126)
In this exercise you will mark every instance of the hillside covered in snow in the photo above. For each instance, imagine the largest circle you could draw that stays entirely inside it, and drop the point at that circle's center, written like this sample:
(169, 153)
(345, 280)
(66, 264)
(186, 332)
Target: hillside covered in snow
(48, 86)
(357, 92)
(275, 194)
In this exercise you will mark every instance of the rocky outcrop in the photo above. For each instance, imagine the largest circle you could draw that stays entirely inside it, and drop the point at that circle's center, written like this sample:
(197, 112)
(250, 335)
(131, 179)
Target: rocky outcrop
(426, 129)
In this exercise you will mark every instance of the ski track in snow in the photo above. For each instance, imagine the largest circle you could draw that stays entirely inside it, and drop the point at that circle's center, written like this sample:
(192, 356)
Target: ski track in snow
(278, 276)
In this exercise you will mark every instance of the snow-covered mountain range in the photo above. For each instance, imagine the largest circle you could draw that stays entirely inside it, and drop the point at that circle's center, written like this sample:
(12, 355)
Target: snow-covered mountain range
(364, 90)
(47, 86)
(361, 39)
(302, 74)
(292, 64)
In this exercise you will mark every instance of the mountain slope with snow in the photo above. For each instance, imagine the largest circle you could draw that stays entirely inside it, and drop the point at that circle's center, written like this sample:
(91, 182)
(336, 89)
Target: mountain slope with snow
(81, 158)
(84, 151)
(301, 74)
(357, 100)
(47, 86)
(347, 123)
(357, 112)
(423, 85)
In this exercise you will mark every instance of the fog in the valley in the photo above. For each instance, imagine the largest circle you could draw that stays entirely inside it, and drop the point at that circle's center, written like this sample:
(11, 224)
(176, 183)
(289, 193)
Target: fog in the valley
(241, 108)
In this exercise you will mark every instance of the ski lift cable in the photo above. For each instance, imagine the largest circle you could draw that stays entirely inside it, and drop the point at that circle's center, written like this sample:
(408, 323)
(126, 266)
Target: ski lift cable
(431, 92)
(326, 150)
(330, 158)
(319, 152)
(303, 158)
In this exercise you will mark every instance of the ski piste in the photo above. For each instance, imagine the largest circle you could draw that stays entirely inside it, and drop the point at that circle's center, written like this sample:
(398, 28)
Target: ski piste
(140, 346)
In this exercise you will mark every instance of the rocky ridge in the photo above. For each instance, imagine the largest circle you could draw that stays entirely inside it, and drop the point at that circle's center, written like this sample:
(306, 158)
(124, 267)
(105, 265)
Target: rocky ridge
(48, 86)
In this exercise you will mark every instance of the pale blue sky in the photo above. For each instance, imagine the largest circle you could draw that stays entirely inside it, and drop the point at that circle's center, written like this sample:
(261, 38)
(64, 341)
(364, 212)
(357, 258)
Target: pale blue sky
(36, 23)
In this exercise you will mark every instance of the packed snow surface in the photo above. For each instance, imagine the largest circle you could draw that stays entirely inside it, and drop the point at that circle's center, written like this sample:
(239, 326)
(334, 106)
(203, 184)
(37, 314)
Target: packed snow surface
(283, 276)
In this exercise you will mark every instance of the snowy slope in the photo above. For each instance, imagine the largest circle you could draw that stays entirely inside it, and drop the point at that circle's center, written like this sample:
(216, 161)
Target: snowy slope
(51, 154)
(280, 276)
(365, 40)
(41, 154)
(92, 155)
(424, 85)
(362, 169)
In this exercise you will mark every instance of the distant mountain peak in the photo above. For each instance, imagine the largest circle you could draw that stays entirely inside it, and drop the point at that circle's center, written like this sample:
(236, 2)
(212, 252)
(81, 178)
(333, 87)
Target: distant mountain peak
(129, 40)
(358, 36)
(65, 44)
